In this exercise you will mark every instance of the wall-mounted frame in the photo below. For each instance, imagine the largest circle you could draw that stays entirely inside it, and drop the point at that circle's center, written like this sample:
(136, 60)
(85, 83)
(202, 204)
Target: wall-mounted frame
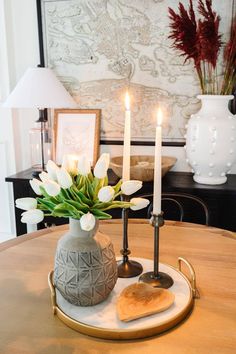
(76, 131)
(99, 49)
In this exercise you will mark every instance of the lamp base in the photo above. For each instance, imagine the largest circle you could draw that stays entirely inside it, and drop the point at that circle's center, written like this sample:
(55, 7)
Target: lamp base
(163, 280)
(40, 146)
(129, 269)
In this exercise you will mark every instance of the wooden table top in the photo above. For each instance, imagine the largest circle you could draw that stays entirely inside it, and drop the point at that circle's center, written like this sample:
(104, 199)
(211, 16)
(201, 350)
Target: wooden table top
(27, 325)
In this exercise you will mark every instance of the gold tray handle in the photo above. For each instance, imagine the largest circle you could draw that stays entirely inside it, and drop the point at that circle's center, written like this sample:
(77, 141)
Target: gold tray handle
(192, 273)
(53, 293)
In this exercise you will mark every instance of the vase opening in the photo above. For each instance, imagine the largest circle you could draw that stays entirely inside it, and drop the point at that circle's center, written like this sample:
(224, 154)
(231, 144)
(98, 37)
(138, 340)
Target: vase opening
(214, 97)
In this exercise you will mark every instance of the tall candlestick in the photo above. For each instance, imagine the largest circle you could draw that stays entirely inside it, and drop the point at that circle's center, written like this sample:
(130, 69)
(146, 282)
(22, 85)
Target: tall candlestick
(126, 149)
(126, 267)
(157, 166)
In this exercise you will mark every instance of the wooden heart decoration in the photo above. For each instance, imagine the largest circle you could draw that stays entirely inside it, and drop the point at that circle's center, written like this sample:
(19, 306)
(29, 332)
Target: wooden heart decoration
(140, 300)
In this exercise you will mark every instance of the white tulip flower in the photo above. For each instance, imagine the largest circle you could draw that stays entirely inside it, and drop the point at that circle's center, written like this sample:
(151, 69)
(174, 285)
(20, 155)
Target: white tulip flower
(52, 188)
(35, 185)
(26, 203)
(64, 178)
(101, 167)
(130, 187)
(69, 163)
(32, 216)
(87, 222)
(106, 194)
(44, 176)
(84, 165)
(52, 170)
(139, 203)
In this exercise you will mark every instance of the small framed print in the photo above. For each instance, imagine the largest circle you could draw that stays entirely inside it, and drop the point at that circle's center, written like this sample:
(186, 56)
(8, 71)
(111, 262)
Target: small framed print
(76, 132)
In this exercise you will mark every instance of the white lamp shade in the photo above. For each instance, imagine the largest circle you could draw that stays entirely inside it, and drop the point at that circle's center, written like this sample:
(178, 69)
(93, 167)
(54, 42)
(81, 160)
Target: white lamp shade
(39, 88)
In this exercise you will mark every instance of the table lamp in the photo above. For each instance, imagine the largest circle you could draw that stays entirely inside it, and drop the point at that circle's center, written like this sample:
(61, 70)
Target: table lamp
(40, 88)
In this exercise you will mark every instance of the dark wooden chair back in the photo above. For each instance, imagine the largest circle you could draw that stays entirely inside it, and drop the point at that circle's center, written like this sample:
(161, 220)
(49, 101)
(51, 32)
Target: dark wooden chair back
(182, 207)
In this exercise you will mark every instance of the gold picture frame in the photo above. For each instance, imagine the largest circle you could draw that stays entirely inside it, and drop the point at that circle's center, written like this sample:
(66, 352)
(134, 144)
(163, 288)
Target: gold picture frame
(77, 132)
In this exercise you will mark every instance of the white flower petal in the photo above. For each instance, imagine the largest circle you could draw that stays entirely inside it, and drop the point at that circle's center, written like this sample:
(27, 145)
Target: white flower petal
(87, 222)
(69, 163)
(130, 187)
(44, 176)
(26, 203)
(106, 194)
(64, 178)
(52, 170)
(139, 203)
(101, 167)
(35, 185)
(32, 216)
(52, 188)
(84, 165)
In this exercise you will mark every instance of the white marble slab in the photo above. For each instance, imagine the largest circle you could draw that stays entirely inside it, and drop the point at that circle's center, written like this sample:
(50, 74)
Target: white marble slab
(104, 315)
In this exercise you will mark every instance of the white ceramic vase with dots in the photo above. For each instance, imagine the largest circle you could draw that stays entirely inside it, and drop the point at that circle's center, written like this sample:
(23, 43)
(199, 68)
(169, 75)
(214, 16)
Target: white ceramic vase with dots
(211, 140)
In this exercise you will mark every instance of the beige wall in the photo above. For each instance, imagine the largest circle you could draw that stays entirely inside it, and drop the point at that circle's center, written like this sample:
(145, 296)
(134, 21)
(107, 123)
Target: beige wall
(19, 49)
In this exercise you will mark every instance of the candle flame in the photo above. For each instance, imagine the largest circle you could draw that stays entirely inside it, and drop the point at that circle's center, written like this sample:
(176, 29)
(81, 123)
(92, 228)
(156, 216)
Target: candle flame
(159, 117)
(127, 101)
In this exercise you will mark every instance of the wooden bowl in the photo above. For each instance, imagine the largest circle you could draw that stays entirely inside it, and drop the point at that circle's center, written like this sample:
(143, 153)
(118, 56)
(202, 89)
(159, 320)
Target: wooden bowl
(141, 167)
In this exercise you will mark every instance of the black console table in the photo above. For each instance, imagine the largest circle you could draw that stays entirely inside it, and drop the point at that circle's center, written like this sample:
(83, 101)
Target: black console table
(221, 200)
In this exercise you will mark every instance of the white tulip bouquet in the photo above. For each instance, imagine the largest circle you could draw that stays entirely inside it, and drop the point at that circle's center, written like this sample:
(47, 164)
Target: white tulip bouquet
(74, 191)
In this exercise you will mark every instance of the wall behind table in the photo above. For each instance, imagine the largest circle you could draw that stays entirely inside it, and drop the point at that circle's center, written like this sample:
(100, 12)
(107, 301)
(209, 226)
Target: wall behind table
(5, 200)
(21, 39)
(19, 50)
(22, 45)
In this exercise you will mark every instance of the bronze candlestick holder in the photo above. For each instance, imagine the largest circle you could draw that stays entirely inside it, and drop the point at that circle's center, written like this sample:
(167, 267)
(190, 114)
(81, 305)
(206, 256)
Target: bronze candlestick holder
(126, 267)
(157, 279)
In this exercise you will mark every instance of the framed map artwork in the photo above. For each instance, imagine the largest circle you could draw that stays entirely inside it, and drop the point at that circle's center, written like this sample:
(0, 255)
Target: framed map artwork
(76, 132)
(101, 48)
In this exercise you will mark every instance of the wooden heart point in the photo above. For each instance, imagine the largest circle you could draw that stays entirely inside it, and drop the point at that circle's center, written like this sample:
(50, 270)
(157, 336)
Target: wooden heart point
(140, 300)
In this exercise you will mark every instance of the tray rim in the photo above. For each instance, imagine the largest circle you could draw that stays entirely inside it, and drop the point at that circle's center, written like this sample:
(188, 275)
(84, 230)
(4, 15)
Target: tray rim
(112, 333)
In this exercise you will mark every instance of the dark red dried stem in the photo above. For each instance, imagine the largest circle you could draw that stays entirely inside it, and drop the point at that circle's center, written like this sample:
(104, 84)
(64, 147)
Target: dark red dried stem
(198, 40)
(229, 81)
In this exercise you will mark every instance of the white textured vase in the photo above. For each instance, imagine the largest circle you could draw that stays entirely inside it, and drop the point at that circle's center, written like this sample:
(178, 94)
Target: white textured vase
(211, 140)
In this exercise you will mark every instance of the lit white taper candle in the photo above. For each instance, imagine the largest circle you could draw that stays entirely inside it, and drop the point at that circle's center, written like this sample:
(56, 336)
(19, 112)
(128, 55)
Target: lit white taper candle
(157, 166)
(126, 149)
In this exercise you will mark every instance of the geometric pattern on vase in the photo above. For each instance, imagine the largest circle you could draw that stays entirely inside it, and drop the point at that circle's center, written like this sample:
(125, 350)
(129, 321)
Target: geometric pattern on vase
(85, 278)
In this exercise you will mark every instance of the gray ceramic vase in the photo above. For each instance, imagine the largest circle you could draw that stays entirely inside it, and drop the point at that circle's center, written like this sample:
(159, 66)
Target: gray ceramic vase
(85, 265)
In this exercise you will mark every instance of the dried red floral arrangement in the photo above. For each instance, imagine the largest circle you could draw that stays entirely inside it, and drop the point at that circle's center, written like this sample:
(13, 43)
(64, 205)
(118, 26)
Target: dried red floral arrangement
(201, 41)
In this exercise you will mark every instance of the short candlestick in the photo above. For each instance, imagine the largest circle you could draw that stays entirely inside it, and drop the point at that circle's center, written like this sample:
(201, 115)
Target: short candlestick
(157, 279)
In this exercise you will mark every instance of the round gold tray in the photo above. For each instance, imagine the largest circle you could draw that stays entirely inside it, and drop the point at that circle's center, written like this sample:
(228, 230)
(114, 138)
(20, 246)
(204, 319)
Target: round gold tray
(101, 320)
